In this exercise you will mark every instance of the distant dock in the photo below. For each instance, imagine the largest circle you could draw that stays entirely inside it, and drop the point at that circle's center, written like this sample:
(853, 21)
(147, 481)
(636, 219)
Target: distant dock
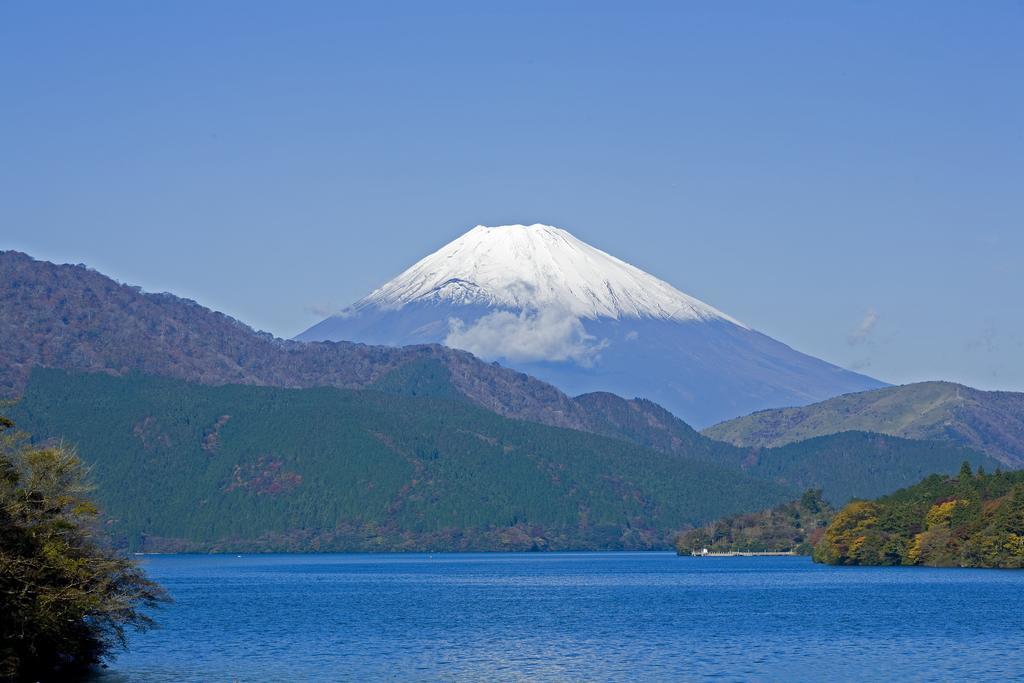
(704, 552)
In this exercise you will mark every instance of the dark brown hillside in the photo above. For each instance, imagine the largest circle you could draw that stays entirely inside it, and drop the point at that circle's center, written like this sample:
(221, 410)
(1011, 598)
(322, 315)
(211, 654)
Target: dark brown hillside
(71, 317)
(646, 423)
(74, 318)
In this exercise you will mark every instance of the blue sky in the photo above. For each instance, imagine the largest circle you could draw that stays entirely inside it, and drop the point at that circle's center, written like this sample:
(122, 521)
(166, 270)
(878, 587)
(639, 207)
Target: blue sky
(846, 177)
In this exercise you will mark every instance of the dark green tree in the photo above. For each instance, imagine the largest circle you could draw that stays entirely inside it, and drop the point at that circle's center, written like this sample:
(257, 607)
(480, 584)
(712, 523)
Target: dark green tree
(965, 471)
(66, 598)
(812, 501)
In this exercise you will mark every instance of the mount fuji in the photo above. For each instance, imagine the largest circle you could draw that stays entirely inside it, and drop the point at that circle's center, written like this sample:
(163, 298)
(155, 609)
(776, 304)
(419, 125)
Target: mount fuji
(537, 299)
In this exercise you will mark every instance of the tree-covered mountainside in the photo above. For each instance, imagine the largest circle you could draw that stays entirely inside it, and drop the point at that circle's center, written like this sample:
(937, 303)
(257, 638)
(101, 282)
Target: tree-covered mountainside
(857, 464)
(74, 318)
(413, 464)
(844, 465)
(971, 520)
(989, 421)
(646, 423)
(181, 466)
(795, 526)
(71, 317)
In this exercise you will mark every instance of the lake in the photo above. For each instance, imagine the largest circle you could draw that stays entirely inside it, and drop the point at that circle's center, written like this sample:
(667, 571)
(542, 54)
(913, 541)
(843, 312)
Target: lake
(594, 616)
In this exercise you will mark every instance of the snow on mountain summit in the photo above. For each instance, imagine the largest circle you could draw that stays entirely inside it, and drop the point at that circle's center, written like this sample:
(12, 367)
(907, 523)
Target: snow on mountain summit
(533, 268)
(539, 300)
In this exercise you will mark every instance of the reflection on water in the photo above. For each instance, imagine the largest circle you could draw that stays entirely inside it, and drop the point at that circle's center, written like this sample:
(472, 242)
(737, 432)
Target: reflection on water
(595, 616)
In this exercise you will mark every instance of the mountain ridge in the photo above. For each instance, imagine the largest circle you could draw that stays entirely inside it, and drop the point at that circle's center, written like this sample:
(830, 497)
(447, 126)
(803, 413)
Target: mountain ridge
(989, 421)
(72, 318)
(75, 318)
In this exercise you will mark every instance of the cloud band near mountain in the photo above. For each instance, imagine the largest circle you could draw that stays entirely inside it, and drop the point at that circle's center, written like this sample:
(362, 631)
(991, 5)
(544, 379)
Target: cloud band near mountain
(527, 336)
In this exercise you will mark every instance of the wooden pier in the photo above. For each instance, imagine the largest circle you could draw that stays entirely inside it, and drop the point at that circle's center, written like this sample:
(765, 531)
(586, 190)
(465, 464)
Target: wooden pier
(704, 552)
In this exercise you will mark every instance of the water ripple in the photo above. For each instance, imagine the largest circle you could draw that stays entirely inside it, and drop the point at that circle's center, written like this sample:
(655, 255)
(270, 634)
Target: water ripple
(572, 616)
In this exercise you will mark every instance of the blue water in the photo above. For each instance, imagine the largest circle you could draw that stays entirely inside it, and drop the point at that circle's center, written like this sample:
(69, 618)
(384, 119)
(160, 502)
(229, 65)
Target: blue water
(592, 616)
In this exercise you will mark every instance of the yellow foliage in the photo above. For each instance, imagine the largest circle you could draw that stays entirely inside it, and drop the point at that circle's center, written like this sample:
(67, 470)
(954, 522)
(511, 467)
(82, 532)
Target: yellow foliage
(914, 552)
(849, 531)
(941, 513)
(857, 543)
(856, 516)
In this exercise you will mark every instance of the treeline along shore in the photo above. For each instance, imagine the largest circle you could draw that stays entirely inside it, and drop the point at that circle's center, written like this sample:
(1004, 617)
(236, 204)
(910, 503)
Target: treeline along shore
(974, 519)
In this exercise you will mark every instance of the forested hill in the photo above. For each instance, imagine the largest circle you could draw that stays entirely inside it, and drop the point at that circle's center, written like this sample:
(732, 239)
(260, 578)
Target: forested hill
(181, 466)
(975, 519)
(187, 466)
(854, 464)
(76, 319)
(989, 421)
(73, 318)
(792, 527)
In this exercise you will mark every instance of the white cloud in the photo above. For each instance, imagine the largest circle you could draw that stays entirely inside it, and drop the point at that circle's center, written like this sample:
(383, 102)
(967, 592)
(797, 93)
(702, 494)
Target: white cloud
(864, 329)
(547, 335)
(632, 335)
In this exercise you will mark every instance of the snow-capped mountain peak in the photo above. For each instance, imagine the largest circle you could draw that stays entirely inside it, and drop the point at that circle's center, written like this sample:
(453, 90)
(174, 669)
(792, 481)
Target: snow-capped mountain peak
(537, 299)
(534, 268)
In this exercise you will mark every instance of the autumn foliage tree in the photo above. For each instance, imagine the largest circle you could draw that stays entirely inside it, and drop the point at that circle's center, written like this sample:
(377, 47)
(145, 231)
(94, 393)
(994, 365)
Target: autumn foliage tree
(971, 520)
(66, 598)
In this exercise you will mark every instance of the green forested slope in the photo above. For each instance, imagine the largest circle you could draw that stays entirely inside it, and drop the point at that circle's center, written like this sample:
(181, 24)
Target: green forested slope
(844, 465)
(857, 464)
(184, 466)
